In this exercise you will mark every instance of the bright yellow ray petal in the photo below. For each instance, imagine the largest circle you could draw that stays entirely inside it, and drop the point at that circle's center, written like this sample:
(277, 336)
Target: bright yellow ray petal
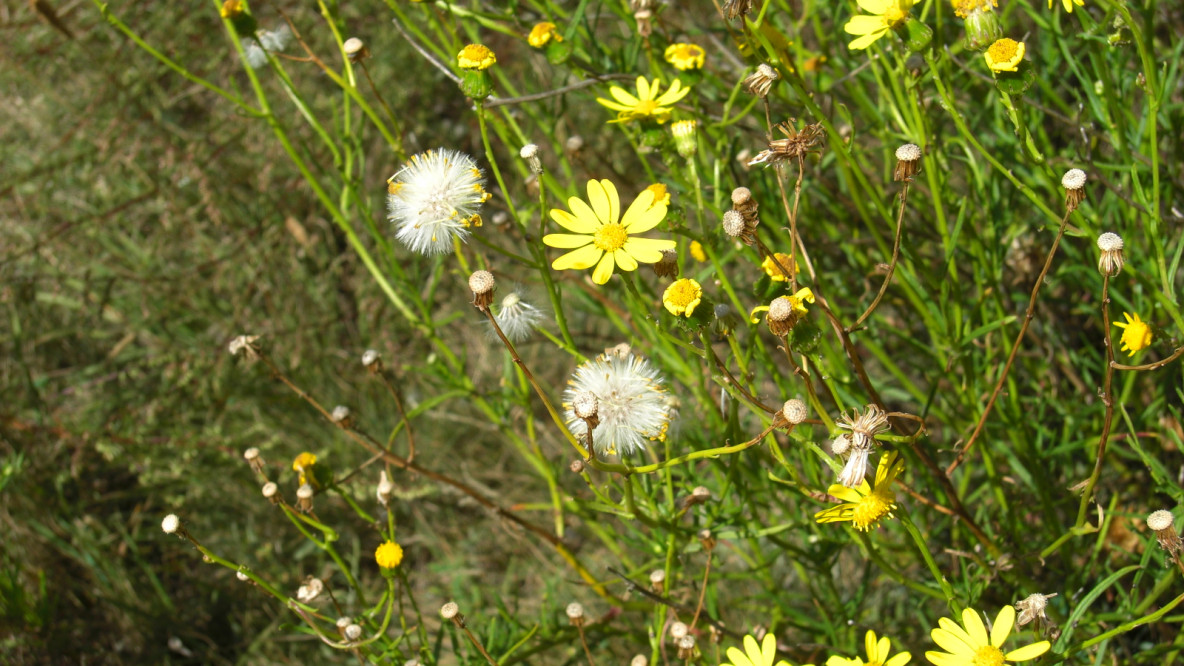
(637, 215)
(647, 250)
(975, 627)
(950, 642)
(874, 6)
(604, 269)
(899, 660)
(768, 649)
(863, 25)
(624, 97)
(1027, 652)
(613, 105)
(580, 225)
(566, 241)
(867, 40)
(580, 259)
(737, 658)
(676, 92)
(876, 650)
(614, 200)
(943, 659)
(589, 220)
(624, 261)
(1004, 621)
(598, 198)
(844, 493)
(956, 629)
(643, 88)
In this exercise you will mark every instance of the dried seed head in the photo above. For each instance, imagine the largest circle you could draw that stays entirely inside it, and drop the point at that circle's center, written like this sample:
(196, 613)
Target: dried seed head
(353, 632)
(1159, 520)
(707, 540)
(795, 146)
(304, 497)
(170, 524)
(341, 416)
(686, 647)
(1111, 261)
(736, 8)
(385, 488)
(271, 491)
(585, 405)
(482, 284)
(678, 630)
(372, 360)
(794, 411)
(761, 81)
(241, 575)
(840, 445)
(702, 493)
(1074, 183)
(343, 622)
(355, 49)
(657, 579)
(908, 162)
(667, 266)
(575, 613)
(577, 466)
(734, 225)
(639, 660)
(1032, 608)
(741, 196)
(450, 610)
(244, 344)
(574, 144)
(251, 454)
(743, 203)
(530, 153)
(311, 589)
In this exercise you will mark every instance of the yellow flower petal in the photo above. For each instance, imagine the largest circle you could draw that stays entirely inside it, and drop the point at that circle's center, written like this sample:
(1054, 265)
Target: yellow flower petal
(643, 88)
(614, 105)
(874, 6)
(954, 628)
(585, 257)
(624, 260)
(589, 220)
(602, 194)
(624, 97)
(951, 643)
(974, 627)
(673, 95)
(899, 660)
(647, 250)
(866, 40)
(1004, 621)
(864, 25)
(604, 269)
(566, 241)
(737, 657)
(1028, 652)
(943, 659)
(571, 222)
(643, 213)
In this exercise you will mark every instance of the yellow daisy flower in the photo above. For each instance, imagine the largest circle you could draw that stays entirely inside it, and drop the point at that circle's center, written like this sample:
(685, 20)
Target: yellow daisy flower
(476, 56)
(773, 268)
(1068, 4)
(1136, 334)
(648, 104)
(756, 655)
(877, 654)
(234, 8)
(885, 15)
(661, 195)
(697, 251)
(798, 301)
(542, 33)
(303, 464)
(685, 56)
(682, 297)
(603, 237)
(973, 647)
(866, 506)
(1004, 55)
(388, 555)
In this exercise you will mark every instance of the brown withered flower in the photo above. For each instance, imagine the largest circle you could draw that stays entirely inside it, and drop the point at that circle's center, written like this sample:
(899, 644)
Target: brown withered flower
(795, 146)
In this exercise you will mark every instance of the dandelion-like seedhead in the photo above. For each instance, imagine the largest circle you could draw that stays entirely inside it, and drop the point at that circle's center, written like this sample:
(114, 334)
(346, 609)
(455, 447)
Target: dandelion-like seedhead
(1111, 261)
(1160, 520)
(631, 403)
(170, 524)
(864, 428)
(255, 49)
(761, 81)
(908, 162)
(1074, 179)
(1032, 608)
(794, 411)
(435, 198)
(517, 318)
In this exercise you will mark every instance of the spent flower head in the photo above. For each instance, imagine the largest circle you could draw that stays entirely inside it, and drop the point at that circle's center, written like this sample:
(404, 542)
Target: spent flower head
(1111, 260)
(863, 430)
(602, 237)
(631, 403)
(761, 81)
(434, 199)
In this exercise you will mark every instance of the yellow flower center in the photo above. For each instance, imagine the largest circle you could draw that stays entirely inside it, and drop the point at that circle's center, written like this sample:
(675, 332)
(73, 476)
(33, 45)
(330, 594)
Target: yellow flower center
(645, 107)
(894, 14)
(988, 656)
(963, 8)
(871, 508)
(681, 296)
(1137, 335)
(476, 56)
(610, 237)
(388, 555)
(1003, 50)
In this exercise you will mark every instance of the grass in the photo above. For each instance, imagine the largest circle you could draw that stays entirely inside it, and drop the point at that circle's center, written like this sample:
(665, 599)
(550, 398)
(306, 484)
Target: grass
(160, 199)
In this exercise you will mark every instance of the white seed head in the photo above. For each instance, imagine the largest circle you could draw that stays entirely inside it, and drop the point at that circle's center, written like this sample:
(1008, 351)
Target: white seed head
(242, 576)
(242, 343)
(574, 143)
(794, 411)
(353, 632)
(741, 196)
(632, 409)
(657, 577)
(1109, 242)
(686, 643)
(528, 151)
(449, 610)
(574, 611)
(370, 357)
(781, 309)
(340, 413)
(311, 589)
(385, 488)
(640, 660)
(678, 630)
(251, 454)
(1074, 179)
(841, 445)
(909, 152)
(353, 46)
(517, 318)
(343, 622)
(585, 405)
(1158, 520)
(481, 282)
(435, 198)
(734, 224)
(270, 489)
(701, 493)
(304, 492)
(170, 524)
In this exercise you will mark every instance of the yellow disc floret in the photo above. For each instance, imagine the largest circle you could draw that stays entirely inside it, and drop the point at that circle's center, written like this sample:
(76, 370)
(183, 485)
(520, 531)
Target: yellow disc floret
(682, 297)
(476, 56)
(1136, 334)
(542, 33)
(388, 555)
(1004, 55)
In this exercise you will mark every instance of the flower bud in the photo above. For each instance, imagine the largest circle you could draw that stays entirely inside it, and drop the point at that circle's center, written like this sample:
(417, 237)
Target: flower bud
(686, 140)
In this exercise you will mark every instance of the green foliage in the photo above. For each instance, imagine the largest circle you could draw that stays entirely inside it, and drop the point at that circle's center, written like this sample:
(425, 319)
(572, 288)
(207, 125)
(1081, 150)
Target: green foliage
(171, 185)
